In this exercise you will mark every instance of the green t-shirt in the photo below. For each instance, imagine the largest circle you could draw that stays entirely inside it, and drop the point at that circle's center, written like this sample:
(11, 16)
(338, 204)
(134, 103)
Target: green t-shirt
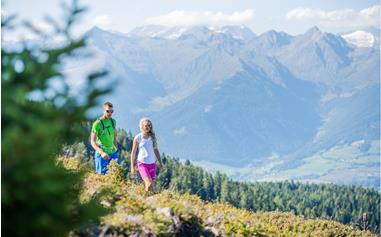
(105, 137)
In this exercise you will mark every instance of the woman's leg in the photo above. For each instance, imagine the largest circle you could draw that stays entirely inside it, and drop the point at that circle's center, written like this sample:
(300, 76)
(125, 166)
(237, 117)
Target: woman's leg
(148, 183)
(152, 174)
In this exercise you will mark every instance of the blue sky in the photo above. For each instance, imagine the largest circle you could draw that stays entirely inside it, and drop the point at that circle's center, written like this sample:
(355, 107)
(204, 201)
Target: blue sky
(292, 16)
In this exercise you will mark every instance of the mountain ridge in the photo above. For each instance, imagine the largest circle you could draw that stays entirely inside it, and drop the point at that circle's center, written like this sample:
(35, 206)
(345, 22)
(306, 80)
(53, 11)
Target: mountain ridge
(293, 91)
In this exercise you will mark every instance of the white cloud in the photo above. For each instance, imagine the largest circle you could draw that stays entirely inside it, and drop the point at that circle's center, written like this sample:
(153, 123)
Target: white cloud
(371, 12)
(4, 13)
(208, 108)
(180, 131)
(358, 143)
(102, 21)
(28, 34)
(180, 17)
(42, 25)
(338, 18)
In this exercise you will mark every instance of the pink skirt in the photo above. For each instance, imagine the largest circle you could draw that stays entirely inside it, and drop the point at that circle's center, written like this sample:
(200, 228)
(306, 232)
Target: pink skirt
(147, 170)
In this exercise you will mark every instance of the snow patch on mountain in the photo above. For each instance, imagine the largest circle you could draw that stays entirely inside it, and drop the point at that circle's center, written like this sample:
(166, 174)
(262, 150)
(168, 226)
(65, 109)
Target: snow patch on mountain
(360, 38)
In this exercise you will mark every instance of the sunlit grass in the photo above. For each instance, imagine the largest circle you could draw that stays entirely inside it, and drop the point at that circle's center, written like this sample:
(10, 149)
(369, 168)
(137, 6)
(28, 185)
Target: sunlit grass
(167, 213)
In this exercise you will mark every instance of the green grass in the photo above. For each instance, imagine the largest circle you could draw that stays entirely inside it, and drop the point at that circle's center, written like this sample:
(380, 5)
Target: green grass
(132, 211)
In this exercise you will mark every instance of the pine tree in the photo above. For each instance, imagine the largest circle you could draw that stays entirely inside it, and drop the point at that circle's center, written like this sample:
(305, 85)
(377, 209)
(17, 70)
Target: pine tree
(38, 197)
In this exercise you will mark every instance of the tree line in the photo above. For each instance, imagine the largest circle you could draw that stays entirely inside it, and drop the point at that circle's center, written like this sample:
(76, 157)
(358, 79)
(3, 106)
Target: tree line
(347, 204)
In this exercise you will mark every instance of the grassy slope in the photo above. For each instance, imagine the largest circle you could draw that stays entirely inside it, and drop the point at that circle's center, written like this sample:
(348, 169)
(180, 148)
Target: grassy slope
(133, 212)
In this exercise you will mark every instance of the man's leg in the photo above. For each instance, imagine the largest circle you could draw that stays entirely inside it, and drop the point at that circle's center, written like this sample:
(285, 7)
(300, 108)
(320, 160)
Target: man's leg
(98, 162)
(115, 156)
(101, 164)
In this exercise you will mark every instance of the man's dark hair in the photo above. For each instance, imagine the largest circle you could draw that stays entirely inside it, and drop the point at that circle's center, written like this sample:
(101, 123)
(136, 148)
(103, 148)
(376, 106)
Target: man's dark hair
(109, 104)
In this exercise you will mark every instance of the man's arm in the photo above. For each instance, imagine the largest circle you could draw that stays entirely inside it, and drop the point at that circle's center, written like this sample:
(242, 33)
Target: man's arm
(115, 143)
(96, 147)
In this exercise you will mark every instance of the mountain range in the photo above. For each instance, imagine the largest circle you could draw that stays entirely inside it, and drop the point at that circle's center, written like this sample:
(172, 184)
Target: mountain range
(272, 106)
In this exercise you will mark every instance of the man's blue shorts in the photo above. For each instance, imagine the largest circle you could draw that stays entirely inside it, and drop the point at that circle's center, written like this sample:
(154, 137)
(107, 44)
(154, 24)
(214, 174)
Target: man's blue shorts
(101, 164)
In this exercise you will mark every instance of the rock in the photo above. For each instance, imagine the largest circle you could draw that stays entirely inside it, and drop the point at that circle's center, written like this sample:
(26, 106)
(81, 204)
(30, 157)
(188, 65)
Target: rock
(150, 200)
(211, 221)
(147, 232)
(166, 211)
(133, 218)
(106, 203)
(211, 231)
(104, 230)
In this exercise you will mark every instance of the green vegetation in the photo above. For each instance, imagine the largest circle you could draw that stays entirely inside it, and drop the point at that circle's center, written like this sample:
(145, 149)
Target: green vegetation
(39, 198)
(345, 204)
(168, 213)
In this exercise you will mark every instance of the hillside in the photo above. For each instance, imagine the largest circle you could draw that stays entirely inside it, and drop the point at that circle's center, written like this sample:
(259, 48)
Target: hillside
(166, 213)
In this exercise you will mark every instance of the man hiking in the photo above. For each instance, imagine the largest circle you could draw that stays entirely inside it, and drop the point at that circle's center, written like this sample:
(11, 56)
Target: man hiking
(103, 139)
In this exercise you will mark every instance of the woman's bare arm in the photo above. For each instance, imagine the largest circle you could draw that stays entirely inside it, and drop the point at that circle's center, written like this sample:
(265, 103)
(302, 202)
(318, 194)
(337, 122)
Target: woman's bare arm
(133, 155)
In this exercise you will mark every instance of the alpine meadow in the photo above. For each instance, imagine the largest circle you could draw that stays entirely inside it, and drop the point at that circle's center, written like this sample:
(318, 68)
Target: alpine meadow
(252, 130)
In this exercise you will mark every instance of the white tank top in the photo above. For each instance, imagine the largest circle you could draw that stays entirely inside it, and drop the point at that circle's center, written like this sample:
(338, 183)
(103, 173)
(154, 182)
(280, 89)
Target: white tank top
(146, 153)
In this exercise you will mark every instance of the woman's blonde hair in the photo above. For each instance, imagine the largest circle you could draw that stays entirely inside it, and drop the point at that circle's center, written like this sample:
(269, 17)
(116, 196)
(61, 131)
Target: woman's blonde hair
(151, 131)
